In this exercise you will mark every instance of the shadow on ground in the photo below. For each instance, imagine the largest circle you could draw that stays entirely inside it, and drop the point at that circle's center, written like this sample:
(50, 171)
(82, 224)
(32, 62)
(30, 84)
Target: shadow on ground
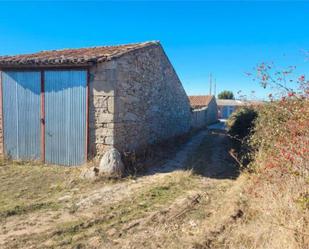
(207, 154)
(213, 158)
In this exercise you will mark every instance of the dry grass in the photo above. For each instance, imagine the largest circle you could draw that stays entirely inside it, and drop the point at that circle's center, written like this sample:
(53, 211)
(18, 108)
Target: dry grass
(40, 207)
(273, 218)
(179, 209)
(31, 203)
(277, 214)
(83, 225)
(28, 186)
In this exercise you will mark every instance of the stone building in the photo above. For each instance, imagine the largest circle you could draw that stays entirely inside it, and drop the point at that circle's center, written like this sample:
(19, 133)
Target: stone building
(204, 110)
(67, 106)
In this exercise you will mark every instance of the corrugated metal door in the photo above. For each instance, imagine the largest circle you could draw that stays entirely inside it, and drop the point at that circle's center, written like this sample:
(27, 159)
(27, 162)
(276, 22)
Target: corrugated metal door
(21, 114)
(65, 117)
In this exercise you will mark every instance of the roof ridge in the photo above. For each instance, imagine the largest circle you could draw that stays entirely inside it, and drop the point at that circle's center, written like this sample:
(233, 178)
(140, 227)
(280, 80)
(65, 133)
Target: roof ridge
(86, 55)
(118, 54)
(106, 46)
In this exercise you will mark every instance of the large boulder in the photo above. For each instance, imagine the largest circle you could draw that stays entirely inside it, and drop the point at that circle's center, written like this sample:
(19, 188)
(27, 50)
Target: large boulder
(111, 163)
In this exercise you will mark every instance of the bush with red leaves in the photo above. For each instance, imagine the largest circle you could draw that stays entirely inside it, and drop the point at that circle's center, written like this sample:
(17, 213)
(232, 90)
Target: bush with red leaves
(281, 136)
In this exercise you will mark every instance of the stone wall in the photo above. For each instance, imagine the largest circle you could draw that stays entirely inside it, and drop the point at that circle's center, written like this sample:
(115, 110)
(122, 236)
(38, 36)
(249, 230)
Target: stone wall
(212, 113)
(135, 100)
(199, 118)
(101, 107)
(150, 102)
(205, 116)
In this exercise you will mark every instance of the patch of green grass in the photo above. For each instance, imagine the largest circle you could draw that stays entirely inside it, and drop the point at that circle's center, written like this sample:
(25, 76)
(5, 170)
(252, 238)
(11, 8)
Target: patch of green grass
(303, 201)
(23, 209)
(25, 187)
(29, 186)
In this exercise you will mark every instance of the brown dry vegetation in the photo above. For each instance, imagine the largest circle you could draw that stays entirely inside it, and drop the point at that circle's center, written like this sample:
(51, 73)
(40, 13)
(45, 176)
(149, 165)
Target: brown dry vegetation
(277, 190)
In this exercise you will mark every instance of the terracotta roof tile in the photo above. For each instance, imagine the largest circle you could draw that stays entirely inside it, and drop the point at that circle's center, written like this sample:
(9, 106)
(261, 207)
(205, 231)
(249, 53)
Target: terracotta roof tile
(200, 100)
(72, 56)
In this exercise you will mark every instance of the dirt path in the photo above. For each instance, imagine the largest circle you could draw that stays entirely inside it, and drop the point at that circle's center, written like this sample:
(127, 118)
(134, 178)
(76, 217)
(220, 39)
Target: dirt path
(117, 192)
(174, 201)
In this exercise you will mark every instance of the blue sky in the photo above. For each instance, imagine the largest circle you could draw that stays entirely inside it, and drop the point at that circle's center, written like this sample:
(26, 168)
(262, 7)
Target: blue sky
(223, 38)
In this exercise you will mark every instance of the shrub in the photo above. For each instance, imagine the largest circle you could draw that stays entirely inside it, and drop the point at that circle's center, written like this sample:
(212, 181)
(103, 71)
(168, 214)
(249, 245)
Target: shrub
(240, 123)
(240, 126)
(279, 151)
(281, 136)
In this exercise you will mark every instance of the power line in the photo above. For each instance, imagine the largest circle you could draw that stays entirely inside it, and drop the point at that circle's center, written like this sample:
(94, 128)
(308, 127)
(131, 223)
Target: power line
(210, 83)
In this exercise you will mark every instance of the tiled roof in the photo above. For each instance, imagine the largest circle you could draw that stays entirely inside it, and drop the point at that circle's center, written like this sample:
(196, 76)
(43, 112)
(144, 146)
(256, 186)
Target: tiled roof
(235, 102)
(200, 100)
(230, 102)
(72, 56)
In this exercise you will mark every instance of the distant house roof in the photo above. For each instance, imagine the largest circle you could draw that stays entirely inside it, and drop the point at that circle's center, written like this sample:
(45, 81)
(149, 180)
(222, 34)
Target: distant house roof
(199, 101)
(235, 102)
(72, 56)
(230, 102)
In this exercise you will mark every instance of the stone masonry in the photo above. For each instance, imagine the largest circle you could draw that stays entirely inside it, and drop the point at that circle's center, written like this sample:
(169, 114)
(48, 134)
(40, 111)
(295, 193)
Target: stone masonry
(212, 112)
(136, 100)
(101, 107)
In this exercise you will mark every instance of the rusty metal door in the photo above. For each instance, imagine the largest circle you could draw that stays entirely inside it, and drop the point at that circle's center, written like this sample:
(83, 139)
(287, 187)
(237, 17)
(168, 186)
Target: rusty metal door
(21, 114)
(65, 116)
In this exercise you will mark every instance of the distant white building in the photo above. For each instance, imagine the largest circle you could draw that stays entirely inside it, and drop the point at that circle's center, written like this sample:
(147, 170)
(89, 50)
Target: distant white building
(227, 106)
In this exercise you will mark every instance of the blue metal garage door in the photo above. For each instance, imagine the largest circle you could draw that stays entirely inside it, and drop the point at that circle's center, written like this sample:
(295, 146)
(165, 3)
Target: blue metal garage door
(21, 114)
(65, 117)
(225, 112)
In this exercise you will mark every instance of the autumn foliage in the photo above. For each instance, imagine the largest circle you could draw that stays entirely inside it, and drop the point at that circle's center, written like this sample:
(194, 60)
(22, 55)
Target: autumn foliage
(281, 136)
(278, 150)
(278, 139)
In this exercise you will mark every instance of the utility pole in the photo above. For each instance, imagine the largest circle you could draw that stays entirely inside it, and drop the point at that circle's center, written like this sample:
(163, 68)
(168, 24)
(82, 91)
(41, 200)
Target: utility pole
(210, 83)
(215, 90)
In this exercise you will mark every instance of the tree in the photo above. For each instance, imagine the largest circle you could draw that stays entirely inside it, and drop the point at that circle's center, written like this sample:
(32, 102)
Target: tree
(226, 95)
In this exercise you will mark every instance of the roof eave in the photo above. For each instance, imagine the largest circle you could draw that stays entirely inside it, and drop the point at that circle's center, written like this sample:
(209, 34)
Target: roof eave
(32, 62)
(41, 66)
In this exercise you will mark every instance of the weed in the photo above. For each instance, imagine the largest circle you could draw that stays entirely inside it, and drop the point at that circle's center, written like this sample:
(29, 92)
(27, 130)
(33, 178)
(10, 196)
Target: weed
(24, 209)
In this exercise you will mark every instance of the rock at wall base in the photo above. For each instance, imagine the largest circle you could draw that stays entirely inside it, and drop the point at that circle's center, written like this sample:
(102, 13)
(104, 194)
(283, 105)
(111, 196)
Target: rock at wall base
(111, 163)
